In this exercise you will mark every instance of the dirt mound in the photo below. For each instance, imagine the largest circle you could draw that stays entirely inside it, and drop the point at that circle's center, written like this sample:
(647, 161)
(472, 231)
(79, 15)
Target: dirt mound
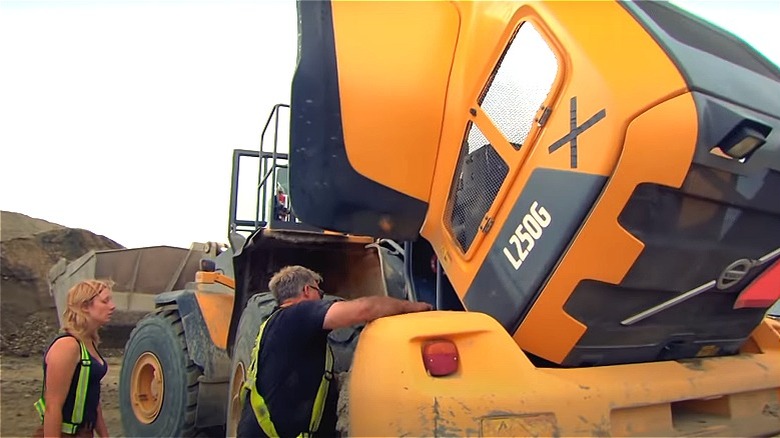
(13, 225)
(28, 312)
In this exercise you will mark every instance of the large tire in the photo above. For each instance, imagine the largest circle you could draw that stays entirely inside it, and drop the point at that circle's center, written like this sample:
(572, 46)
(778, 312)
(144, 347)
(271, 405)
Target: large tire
(258, 309)
(158, 386)
(343, 342)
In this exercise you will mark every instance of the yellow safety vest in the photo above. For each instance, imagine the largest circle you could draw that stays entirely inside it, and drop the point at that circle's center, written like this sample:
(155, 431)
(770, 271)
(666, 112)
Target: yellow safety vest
(258, 403)
(77, 416)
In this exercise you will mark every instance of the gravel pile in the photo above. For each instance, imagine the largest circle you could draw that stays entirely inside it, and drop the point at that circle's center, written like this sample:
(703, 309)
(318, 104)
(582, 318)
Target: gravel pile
(32, 337)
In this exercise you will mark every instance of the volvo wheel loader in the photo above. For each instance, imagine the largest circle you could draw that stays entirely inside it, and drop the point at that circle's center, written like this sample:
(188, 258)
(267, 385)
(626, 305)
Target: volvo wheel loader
(588, 192)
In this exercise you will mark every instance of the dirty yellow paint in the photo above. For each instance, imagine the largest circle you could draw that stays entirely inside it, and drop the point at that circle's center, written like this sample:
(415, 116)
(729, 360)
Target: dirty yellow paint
(525, 425)
(497, 390)
(216, 309)
(708, 350)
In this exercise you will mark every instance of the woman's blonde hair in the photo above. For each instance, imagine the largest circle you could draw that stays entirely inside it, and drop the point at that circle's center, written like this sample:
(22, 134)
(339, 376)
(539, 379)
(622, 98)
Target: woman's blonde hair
(74, 319)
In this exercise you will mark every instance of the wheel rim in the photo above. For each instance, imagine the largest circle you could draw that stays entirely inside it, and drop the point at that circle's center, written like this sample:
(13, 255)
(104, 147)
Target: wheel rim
(235, 400)
(146, 388)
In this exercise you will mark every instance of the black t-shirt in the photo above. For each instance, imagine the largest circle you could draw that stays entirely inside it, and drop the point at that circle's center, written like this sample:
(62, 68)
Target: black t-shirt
(292, 361)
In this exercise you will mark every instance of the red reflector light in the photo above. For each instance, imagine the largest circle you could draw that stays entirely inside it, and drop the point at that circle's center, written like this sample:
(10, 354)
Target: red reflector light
(440, 357)
(763, 291)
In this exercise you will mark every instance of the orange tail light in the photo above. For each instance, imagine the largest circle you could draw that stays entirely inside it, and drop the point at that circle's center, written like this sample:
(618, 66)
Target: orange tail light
(763, 291)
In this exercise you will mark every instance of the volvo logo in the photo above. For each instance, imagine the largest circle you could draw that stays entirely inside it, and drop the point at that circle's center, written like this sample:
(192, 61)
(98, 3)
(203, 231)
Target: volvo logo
(734, 273)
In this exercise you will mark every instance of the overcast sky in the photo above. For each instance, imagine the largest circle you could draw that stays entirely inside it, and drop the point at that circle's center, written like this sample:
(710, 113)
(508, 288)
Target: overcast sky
(120, 116)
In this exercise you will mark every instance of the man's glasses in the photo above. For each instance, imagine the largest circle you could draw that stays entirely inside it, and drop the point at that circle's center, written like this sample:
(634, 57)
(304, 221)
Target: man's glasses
(319, 291)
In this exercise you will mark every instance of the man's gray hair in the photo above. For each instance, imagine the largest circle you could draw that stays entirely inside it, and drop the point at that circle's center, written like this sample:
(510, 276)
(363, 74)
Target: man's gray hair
(289, 282)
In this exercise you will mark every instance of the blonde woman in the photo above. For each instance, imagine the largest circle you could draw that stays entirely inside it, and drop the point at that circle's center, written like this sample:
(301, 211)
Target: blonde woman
(73, 367)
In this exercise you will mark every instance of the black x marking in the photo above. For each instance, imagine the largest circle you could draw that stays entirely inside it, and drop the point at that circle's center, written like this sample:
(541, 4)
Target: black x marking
(571, 137)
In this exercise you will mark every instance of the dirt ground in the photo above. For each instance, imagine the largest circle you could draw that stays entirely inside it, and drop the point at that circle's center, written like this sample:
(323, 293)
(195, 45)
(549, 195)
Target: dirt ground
(20, 386)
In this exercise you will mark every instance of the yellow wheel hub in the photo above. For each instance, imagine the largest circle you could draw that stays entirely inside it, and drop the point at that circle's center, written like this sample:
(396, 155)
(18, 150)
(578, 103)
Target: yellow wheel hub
(146, 388)
(235, 399)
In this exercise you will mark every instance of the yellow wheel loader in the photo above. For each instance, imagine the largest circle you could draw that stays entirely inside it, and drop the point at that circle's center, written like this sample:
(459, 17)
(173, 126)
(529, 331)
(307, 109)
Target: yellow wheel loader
(587, 192)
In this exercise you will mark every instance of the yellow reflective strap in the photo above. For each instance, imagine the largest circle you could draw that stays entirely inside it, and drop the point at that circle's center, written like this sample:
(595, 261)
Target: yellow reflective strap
(251, 376)
(40, 406)
(262, 414)
(252, 372)
(81, 394)
(322, 392)
(255, 399)
(81, 387)
(69, 428)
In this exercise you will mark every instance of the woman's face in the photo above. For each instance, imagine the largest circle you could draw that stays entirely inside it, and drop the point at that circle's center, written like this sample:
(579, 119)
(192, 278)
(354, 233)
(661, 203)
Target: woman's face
(101, 307)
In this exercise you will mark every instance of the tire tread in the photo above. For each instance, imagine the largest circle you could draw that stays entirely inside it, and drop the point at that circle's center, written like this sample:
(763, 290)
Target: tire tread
(169, 314)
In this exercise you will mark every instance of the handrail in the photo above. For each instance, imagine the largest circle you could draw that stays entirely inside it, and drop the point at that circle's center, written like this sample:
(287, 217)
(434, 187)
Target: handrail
(269, 162)
(274, 155)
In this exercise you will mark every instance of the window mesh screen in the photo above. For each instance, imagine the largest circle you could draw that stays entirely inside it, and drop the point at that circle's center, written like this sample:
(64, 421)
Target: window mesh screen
(479, 176)
(517, 89)
(520, 84)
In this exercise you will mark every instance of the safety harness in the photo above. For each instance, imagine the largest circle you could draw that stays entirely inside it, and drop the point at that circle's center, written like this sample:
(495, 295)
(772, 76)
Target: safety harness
(259, 406)
(77, 416)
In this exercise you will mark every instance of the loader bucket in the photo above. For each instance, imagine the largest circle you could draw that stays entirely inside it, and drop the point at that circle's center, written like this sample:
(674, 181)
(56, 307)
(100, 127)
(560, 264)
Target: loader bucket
(139, 274)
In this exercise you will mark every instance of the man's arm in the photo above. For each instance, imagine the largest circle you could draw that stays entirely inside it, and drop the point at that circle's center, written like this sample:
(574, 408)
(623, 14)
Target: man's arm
(365, 309)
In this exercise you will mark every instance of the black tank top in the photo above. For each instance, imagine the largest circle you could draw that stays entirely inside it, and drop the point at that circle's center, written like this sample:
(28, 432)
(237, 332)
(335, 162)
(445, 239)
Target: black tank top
(96, 373)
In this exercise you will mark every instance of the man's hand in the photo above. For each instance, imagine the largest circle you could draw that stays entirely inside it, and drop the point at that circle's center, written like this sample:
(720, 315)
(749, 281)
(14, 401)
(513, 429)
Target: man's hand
(418, 306)
(362, 310)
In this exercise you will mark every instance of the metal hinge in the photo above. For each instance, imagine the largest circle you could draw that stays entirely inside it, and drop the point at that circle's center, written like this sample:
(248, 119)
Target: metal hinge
(487, 224)
(546, 111)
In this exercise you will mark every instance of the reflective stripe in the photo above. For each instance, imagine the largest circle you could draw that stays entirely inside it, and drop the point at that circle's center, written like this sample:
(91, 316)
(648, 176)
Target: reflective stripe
(322, 392)
(80, 402)
(259, 406)
(40, 406)
(81, 388)
(70, 428)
